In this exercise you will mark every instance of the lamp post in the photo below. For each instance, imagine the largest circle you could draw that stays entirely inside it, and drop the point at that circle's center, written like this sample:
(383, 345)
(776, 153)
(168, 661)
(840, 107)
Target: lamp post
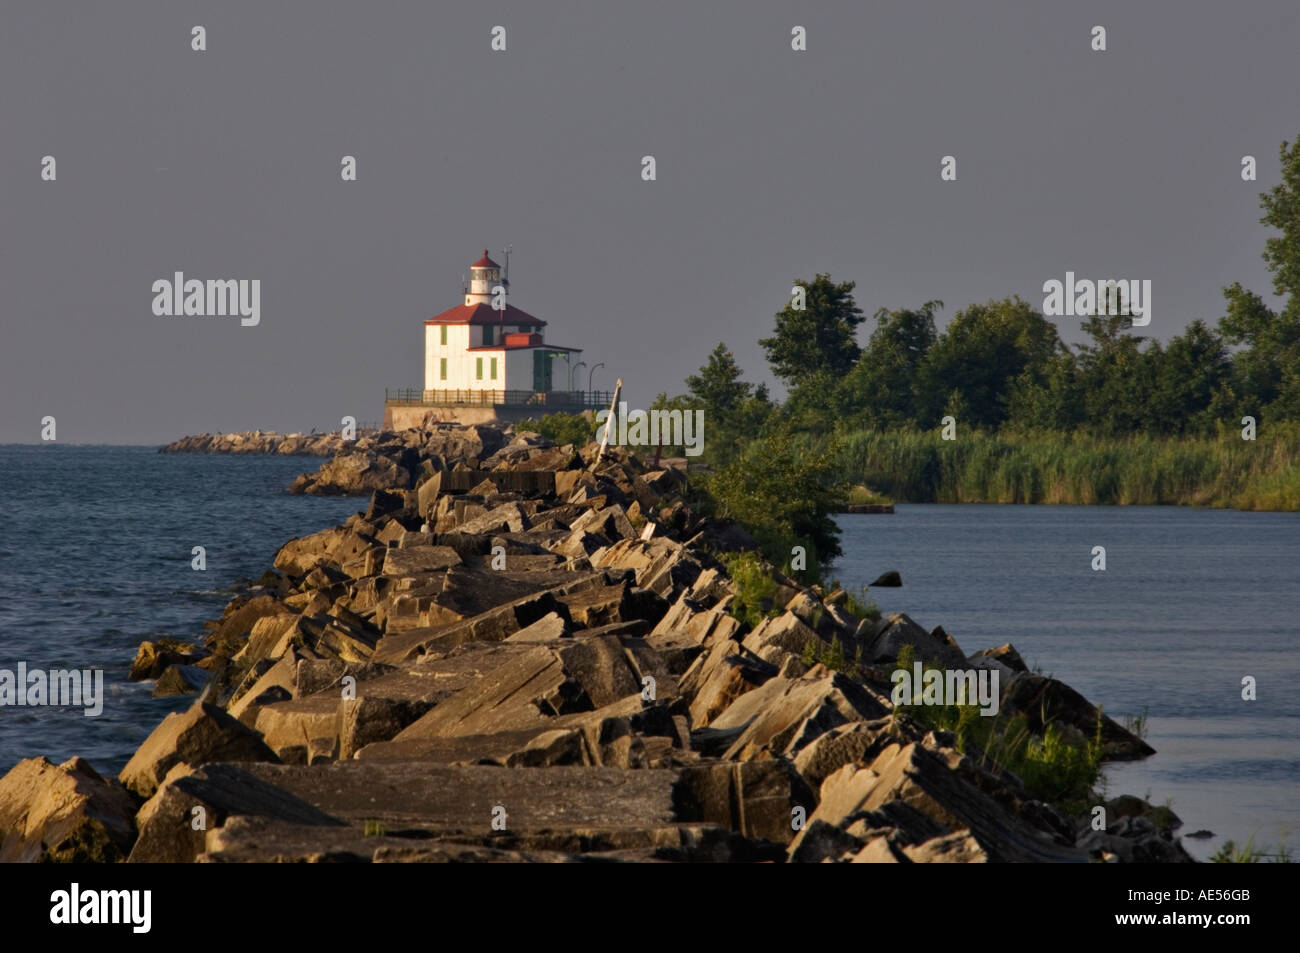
(571, 370)
(591, 371)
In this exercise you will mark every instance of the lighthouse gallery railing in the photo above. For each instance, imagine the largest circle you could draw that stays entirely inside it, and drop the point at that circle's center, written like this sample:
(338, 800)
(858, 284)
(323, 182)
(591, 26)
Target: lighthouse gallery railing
(553, 400)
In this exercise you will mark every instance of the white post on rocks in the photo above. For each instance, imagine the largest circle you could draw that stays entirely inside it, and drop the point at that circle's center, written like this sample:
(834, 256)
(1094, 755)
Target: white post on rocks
(609, 422)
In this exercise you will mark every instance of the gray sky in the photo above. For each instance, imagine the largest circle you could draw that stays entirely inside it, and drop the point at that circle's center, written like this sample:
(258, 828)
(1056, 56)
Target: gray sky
(771, 165)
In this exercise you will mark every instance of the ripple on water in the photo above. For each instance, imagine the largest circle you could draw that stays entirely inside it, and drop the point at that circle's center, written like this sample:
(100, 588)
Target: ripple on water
(114, 528)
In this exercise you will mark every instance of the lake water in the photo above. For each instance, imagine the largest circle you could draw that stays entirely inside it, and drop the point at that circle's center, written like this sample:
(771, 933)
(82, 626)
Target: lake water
(96, 557)
(1190, 601)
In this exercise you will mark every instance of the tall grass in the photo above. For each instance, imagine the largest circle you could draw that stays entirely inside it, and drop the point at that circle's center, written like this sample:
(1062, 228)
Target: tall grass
(920, 467)
(1052, 766)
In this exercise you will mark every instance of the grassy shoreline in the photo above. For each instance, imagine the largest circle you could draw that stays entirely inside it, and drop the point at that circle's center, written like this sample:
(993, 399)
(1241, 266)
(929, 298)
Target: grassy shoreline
(913, 466)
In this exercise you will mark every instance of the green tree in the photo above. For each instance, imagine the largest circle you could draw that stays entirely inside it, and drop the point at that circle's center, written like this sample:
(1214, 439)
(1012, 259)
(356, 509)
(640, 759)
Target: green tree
(785, 494)
(1190, 373)
(1266, 371)
(821, 336)
(680, 402)
(1116, 377)
(1265, 378)
(980, 354)
(1281, 206)
(718, 385)
(813, 405)
(734, 410)
(1048, 398)
(882, 390)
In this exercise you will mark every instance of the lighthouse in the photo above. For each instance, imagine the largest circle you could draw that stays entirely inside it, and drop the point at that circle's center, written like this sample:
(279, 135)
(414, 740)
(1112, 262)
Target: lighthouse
(487, 360)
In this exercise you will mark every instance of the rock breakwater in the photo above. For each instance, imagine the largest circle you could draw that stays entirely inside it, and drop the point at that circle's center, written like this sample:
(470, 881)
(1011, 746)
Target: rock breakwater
(518, 654)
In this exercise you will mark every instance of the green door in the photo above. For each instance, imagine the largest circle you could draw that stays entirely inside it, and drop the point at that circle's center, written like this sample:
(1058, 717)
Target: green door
(541, 371)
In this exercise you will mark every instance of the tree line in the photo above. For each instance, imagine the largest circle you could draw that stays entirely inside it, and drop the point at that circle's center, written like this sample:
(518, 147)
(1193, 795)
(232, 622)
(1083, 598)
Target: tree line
(1002, 365)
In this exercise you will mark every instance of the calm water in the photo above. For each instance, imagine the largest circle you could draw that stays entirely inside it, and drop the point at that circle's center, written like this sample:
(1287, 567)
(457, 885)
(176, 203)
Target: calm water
(1190, 601)
(95, 558)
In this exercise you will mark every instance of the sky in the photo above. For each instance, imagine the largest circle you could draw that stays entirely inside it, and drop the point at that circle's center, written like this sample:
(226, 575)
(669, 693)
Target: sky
(770, 165)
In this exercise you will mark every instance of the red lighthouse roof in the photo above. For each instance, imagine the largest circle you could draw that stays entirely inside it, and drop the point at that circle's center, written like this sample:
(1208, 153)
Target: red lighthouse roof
(486, 314)
(485, 262)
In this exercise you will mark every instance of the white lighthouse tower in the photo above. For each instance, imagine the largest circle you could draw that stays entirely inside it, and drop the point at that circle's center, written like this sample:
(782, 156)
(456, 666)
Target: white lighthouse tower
(485, 276)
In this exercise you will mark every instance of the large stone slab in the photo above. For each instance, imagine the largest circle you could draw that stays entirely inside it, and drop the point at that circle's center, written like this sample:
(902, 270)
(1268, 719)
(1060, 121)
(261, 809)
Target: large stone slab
(504, 699)
(174, 824)
(409, 561)
(199, 735)
(783, 715)
(453, 800)
(494, 625)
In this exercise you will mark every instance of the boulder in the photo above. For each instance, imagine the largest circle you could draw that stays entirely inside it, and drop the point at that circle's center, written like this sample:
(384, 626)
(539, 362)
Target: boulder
(786, 634)
(723, 675)
(755, 798)
(546, 629)
(1005, 654)
(359, 474)
(447, 810)
(853, 743)
(447, 799)
(374, 718)
(660, 564)
(237, 624)
(153, 658)
(181, 680)
(606, 670)
(290, 728)
(202, 734)
(1045, 701)
(63, 813)
(926, 784)
(784, 715)
(899, 630)
(559, 746)
(281, 674)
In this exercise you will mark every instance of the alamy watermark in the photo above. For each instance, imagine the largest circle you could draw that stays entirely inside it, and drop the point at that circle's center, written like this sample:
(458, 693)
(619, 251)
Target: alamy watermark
(671, 428)
(77, 906)
(216, 297)
(1085, 298)
(57, 688)
(947, 687)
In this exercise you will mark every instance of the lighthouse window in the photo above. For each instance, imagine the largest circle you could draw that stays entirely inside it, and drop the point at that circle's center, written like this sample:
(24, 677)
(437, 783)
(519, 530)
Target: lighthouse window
(444, 335)
(442, 368)
(494, 368)
(487, 336)
(478, 368)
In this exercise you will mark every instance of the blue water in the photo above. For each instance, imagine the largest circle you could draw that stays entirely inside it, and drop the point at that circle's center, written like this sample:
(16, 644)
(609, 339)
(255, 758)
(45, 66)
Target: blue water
(95, 557)
(1190, 601)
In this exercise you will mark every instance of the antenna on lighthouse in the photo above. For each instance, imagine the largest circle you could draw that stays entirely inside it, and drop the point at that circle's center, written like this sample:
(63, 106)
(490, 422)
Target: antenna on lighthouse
(464, 286)
(505, 277)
